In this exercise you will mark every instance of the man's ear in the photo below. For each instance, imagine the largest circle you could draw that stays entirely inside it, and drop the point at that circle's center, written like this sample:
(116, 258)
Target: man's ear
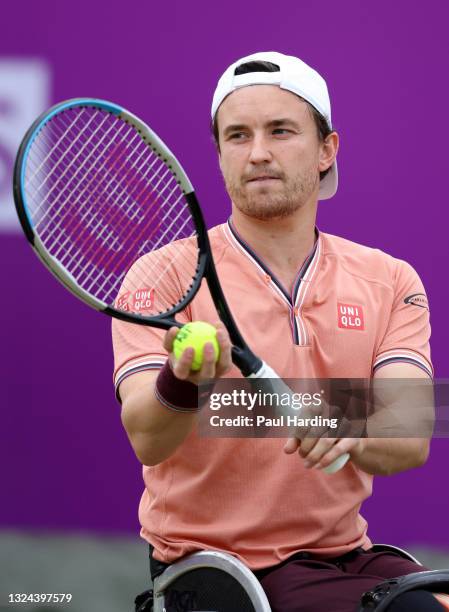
(328, 151)
(215, 134)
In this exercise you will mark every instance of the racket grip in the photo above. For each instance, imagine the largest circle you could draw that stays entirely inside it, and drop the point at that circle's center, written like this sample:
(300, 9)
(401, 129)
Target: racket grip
(338, 464)
(265, 371)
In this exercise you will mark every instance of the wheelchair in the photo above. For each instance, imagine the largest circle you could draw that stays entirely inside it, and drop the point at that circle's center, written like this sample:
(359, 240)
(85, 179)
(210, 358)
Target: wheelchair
(212, 581)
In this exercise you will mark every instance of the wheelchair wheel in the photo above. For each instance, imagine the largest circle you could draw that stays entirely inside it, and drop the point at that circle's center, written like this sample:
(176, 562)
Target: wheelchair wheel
(208, 589)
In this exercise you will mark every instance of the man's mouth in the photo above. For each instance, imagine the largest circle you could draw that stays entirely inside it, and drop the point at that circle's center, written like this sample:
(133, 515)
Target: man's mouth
(263, 177)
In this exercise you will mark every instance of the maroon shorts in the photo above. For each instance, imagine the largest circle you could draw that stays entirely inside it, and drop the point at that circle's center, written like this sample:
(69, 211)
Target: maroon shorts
(306, 584)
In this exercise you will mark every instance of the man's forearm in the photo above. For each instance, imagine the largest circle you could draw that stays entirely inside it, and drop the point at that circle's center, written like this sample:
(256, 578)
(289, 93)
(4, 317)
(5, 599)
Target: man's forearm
(155, 431)
(386, 456)
(403, 400)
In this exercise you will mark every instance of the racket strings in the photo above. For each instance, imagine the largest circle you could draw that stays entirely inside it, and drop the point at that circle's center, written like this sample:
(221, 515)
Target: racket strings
(140, 252)
(90, 287)
(101, 201)
(93, 181)
(143, 176)
(60, 179)
(50, 153)
(98, 188)
(102, 286)
(60, 161)
(96, 220)
(142, 247)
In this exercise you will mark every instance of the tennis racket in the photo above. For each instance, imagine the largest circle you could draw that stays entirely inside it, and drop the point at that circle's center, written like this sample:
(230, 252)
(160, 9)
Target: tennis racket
(110, 211)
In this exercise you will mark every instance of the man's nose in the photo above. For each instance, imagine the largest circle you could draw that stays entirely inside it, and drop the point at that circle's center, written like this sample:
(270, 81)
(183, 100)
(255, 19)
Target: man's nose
(260, 150)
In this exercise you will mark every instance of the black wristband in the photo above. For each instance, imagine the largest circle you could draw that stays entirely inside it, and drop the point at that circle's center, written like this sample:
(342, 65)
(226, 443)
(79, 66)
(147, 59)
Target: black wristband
(174, 393)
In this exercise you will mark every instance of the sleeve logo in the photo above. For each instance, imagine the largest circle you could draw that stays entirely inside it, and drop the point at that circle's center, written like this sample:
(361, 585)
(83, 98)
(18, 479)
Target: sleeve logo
(350, 316)
(122, 302)
(417, 299)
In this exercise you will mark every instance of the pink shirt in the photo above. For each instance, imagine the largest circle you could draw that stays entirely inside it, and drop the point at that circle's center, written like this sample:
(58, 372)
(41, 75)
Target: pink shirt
(352, 310)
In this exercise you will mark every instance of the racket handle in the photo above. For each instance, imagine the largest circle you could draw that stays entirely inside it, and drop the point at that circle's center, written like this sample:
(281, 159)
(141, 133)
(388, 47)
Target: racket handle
(336, 465)
(265, 371)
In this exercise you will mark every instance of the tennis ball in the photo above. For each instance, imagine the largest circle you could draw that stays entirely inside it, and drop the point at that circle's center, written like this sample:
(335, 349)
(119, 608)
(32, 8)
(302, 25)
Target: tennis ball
(196, 335)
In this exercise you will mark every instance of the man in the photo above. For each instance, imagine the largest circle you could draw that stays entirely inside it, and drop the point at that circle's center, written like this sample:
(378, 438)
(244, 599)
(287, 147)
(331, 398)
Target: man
(291, 288)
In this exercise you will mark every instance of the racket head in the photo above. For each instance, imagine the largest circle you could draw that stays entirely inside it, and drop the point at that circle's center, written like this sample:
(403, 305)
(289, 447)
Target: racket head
(102, 200)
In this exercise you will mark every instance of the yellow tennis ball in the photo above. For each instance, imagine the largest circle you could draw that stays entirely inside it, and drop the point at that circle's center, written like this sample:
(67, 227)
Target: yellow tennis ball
(196, 335)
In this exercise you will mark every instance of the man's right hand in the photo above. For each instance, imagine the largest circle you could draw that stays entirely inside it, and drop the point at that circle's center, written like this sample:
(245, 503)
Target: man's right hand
(209, 370)
(155, 431)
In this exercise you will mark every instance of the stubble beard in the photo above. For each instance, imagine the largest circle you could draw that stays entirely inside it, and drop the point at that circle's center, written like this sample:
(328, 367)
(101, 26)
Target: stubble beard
(265, 203)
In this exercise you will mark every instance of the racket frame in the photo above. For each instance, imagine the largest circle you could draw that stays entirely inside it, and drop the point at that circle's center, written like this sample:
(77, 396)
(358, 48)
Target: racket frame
(242, 355)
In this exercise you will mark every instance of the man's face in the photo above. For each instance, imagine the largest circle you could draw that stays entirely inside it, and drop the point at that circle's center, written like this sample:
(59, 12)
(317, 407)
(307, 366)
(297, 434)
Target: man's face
(269, 151)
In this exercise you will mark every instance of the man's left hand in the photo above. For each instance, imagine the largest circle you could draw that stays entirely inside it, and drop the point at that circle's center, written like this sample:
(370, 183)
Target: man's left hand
(319, 453)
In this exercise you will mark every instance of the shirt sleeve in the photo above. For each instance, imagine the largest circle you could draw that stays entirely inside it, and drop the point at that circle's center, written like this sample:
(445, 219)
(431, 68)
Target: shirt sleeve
(407, 336)
(139, 347)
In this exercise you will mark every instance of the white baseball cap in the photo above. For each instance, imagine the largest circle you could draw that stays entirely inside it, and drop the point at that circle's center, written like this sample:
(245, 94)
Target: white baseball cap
(295, 76)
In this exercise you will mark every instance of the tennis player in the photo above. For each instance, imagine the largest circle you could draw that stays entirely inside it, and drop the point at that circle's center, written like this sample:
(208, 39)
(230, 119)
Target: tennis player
(311, 304)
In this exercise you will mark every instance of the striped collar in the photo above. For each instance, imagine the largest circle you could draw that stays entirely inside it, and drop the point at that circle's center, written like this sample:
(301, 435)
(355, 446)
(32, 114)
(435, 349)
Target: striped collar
(304, 273)
(300, 289)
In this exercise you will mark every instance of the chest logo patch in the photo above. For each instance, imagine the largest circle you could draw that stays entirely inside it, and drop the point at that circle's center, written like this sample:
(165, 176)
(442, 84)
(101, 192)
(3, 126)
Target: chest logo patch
(350, 316)
(143, 299)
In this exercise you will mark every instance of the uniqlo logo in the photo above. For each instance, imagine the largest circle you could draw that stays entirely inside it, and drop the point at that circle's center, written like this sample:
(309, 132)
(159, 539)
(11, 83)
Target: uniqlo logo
(143, 299)
(350, 316)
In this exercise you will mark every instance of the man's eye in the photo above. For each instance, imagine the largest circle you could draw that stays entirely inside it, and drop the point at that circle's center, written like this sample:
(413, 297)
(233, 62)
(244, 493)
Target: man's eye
(237, 135)
(281, 131)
